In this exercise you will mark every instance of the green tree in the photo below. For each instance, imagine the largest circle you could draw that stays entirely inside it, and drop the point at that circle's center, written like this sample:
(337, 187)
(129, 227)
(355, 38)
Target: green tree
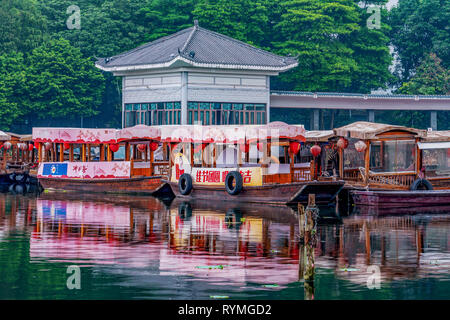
(245, 20)
(420, 27)
(12, 82)
(431, 78)
(370, 51)
(61, 83)
(313, 30)
(23, 28)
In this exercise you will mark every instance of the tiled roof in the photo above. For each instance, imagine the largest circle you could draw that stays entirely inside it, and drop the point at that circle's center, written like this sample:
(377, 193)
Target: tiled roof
(200, 47)
(356, 95)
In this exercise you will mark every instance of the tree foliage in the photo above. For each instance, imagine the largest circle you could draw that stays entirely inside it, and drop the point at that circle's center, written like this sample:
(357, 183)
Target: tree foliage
(431, 78)
(420, 27)
(61, 83)
(23, 28)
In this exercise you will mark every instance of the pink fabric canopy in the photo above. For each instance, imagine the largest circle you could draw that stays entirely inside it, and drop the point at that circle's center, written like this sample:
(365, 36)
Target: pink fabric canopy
(176, 133)
(74, 135)
(139, 132)
(231, 133)
(84, 135)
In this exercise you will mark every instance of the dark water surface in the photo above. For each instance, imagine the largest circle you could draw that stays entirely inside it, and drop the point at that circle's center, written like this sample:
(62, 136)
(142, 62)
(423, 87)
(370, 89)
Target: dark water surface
(141, 248)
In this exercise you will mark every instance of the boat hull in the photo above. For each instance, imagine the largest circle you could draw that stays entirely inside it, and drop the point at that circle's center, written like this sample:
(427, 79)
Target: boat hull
(272, 194)
(400, 199)
(139, 185)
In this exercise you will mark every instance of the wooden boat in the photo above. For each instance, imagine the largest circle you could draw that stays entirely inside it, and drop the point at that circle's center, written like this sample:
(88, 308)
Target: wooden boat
(244, 163)
(434, 151)
(130, 160)
(383, 166)
(17, 158)
(401, 199)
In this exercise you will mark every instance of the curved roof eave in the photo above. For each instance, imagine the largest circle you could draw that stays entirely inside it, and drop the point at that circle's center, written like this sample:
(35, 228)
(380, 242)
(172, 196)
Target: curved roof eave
(188, 62)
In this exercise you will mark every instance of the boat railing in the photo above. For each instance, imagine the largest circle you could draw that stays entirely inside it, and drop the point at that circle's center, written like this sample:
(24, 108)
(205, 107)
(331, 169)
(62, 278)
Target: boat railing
(161, 168)
(353, 175)
(395, 179)
(142, 168)
(301, 174)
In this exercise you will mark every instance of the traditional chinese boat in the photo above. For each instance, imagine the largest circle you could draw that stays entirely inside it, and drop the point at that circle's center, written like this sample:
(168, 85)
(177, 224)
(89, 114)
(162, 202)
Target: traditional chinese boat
(383, 166)
(131, 160)
(17, 158)
(254, 163)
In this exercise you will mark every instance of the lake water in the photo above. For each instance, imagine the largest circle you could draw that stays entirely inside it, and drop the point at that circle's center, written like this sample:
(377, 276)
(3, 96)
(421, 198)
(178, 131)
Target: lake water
(141, 248)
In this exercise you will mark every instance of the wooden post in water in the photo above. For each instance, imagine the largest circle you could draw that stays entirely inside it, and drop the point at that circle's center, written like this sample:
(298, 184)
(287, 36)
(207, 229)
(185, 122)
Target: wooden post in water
(307, 230)
(301, 220)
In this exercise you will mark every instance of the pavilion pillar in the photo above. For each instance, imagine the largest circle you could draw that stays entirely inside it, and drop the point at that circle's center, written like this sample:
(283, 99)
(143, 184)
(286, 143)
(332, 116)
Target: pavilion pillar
(316, 119)
(371, 115)
(184, 97)
(433, 120)
(268, 100)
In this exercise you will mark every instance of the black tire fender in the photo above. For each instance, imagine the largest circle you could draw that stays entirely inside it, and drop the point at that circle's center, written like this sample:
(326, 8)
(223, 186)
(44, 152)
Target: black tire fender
(185, 184)
(237, 178)
(418, 184)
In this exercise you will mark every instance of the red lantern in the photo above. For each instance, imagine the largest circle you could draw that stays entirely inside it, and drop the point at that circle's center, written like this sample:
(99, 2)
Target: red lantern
(47, 146)
(154, 146)
(30, 147)
(245, 147)
(360, 146)
(114, 147)
(1, 145)
(342, 143)
(294, 147)
(315, 150)
(7, 145)
(66, 146)
(141, 147)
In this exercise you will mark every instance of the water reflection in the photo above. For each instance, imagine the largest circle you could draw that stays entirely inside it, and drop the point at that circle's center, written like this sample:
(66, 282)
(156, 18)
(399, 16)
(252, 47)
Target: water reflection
(140, 247)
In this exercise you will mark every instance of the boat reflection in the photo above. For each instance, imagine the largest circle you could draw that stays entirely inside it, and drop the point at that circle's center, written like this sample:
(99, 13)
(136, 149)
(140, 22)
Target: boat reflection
(226, 244)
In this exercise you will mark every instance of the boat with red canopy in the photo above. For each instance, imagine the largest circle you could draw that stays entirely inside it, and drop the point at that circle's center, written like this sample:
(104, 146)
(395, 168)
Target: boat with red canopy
(130, 160)
(253, 163)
